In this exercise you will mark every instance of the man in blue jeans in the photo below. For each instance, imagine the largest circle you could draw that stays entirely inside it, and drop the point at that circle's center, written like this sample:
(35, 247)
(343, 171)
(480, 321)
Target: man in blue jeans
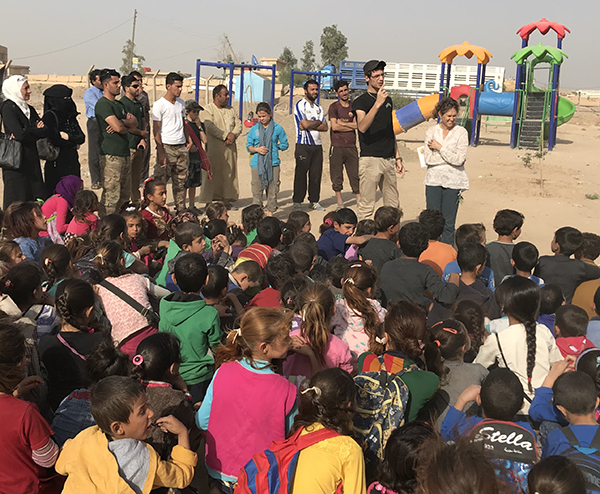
(90, 98)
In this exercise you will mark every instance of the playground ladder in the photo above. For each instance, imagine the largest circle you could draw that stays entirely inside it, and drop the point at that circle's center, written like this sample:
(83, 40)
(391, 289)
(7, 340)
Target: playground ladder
(532, 126)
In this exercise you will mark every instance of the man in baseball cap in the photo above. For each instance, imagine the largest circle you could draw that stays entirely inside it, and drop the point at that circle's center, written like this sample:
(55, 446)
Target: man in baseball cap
(192, 105)
(379, 159)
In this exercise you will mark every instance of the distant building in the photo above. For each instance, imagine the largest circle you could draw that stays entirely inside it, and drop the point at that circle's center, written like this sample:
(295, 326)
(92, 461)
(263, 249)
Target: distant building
(13, 69)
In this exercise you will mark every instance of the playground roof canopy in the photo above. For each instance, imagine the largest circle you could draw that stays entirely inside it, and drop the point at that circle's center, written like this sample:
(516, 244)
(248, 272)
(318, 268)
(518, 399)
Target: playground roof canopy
(542, 53)
(543, 27)
(465, 50)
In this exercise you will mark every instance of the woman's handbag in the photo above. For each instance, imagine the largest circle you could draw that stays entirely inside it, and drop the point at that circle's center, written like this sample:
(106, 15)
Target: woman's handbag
(10, 153)
(46, 150)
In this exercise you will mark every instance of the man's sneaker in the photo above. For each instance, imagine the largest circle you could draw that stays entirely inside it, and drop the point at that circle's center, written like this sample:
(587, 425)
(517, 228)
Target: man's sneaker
(297, 206)
(317, 207)
(96, 186)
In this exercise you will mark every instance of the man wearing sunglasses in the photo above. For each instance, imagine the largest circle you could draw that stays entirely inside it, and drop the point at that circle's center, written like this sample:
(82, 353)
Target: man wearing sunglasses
(137, 136)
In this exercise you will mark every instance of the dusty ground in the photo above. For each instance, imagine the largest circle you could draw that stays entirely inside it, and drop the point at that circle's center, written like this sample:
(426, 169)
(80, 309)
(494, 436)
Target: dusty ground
(497, 174)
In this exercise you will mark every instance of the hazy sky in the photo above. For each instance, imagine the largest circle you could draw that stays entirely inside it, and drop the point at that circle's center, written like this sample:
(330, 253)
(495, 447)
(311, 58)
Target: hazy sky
(172, 35)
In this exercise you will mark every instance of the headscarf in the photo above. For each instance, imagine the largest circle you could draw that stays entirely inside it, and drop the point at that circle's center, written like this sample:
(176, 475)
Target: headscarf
(68, 188)
(265, 163)
(11, 89)
(58, 99)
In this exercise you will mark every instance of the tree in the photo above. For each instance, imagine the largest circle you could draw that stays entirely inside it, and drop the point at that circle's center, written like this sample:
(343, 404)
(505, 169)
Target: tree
(128, 56)
(308, 57)
(333, 46)
(287, 55)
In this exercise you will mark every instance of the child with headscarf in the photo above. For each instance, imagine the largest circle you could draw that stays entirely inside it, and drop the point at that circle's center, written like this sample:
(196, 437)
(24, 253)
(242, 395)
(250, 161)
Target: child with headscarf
(57, 209)
(60, 116)
(23, 123)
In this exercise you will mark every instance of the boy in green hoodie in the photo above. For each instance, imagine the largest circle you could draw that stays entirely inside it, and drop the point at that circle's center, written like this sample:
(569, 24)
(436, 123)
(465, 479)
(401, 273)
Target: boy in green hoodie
(186, 315)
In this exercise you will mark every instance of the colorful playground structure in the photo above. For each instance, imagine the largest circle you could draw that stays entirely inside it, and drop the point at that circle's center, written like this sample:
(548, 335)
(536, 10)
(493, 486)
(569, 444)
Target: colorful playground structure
(536, 113)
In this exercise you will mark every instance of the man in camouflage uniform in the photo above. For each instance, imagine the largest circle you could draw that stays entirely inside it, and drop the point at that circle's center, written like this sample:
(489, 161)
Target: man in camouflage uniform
(172, 140)
(115, 162)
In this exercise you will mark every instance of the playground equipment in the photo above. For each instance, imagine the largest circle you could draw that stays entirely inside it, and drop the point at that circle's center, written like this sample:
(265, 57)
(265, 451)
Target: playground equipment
(232, 66)
(325, 72)
(537, 113)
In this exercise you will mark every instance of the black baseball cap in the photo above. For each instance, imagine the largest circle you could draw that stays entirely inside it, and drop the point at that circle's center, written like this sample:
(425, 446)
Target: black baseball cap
(192, 105)
(372, 65)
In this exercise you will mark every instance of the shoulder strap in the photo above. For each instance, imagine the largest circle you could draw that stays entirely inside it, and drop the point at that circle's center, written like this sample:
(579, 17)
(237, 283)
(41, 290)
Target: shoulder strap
(570, 435)
(596, 440)
(147, 313)
(315, 437)
(193, 135)
(506, 364)
(64, 342)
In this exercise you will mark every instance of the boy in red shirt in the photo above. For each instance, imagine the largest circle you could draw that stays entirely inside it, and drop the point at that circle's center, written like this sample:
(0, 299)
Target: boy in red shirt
(570, 328)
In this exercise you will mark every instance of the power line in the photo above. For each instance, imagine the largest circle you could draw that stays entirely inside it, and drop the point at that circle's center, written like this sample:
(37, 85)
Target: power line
(186, 52)
(174, 27)
(75, 45)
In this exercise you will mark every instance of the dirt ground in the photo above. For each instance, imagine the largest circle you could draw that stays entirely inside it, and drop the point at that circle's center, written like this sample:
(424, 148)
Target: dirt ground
(498, 177)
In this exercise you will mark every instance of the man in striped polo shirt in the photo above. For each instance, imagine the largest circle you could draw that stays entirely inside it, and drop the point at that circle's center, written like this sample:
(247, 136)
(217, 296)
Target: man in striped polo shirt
(310, 121)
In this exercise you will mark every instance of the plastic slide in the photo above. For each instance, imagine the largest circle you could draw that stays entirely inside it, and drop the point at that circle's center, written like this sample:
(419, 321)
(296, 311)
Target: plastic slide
(490, 103)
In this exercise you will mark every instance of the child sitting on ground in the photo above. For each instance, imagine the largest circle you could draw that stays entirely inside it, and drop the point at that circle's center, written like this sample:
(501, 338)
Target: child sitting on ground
(525, 257)
(470, 232)
(186, 315)
(245, 281)
(57, 209)
(266, 242)
(452, 341)
(244, 375)
(27, 445)
(215, 295)
(10, 254)
(407, 279)
(336, 270)
(301, 220)
(315, 347)
(189, 237)
(24, 221)
(84, 211)
(156, 364)
(438, 254)
(382, 247)
(560, 269)
(251, 216)
(507, 224)
(221, 251)
(363, 227)
(155, 213)
(56, 263)
(556, 475)
(280, 269)
(471, 260)
(112, 456)
(570, 328)
(551, 299)
(358, 316)
(336, 239)
(593, 330)
(470, 314)
(584, 294)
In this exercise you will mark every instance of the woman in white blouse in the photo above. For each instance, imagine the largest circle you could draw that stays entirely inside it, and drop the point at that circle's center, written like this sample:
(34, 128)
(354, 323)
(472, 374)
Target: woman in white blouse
(445, 154)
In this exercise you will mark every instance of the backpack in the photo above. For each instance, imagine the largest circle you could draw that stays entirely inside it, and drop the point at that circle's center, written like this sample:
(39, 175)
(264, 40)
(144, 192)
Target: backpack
(381, 401)
(272, 471)
(587, 459)
(510, 446)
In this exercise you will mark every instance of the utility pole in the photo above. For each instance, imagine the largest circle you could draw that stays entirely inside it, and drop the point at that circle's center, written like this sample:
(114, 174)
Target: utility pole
(230, 48)
(133, 36)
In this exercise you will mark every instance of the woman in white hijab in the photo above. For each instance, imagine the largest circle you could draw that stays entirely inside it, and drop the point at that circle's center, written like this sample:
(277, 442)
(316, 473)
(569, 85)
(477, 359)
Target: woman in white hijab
(23, 123)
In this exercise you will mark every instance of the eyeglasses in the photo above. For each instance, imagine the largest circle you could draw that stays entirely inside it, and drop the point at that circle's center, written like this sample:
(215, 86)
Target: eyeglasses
(135, 86)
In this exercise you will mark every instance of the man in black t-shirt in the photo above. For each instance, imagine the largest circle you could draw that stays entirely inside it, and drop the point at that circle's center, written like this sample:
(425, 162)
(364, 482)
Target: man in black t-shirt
(379, 160)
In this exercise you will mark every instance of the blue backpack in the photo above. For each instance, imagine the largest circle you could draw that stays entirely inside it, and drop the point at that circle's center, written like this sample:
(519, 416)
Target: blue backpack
(587, 459)
(381, 401)
(508, 445)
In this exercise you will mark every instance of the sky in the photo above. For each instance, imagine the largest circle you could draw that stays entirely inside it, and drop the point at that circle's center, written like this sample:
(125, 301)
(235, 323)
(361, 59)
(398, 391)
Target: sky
(172, 35)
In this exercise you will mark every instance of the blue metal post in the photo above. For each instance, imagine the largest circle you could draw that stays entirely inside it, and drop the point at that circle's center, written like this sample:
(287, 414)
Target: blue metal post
(231, 66)
(516, 103)
(319, 93)
(448, 74)
(475, 105)
(553, 108)
(273, 87)
(292, 90)
(481, 86)
(241, 92)
(197, 91)
(442, 81)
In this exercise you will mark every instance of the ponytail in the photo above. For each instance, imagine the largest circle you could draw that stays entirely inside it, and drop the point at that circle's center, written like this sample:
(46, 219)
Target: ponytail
(317, 306)
(108, 259)
(74, 298)
(55, 262)
(258, 325)
(530, 328)
(359, 278)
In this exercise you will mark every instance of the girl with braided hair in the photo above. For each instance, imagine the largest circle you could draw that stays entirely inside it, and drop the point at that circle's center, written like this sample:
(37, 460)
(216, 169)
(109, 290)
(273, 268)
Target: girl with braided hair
(525, 347)
(56, 263)
(317, 305)
(64, 354)
(358, 316)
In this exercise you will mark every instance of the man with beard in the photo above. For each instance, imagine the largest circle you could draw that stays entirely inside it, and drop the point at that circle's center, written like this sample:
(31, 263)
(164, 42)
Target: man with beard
(379, 159)
(310, 120)
(90, 98)
(343, 143)
(115, 162)
(223, 127)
